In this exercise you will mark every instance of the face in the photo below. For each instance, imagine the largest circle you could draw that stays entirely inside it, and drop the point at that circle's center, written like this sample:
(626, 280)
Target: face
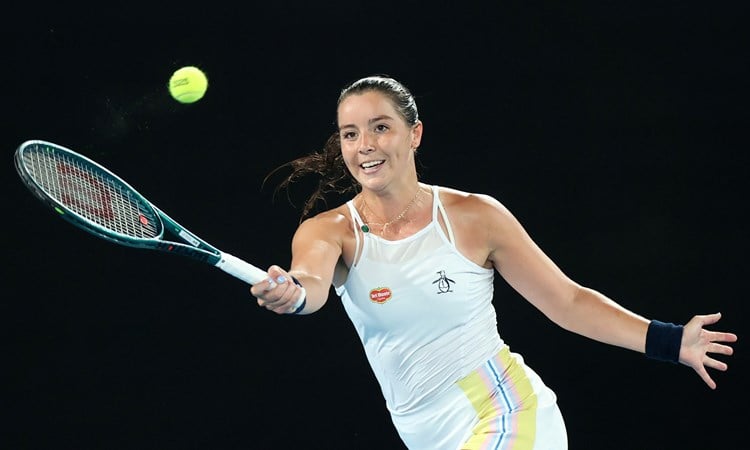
(376, 142)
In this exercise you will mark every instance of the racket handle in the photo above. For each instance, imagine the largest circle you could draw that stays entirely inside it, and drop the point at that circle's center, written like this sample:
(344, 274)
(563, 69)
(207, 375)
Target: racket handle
(241, 269)
(250, 274)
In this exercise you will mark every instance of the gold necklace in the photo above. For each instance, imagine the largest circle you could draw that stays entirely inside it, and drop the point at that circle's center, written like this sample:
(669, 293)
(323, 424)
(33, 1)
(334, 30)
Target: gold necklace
(366, 226)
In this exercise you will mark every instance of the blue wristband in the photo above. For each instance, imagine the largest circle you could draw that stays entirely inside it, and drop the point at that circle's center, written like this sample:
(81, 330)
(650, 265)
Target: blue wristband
(304, 300)
(663, 341)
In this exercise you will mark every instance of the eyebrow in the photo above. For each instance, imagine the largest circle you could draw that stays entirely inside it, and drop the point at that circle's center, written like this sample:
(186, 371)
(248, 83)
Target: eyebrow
(374, 119)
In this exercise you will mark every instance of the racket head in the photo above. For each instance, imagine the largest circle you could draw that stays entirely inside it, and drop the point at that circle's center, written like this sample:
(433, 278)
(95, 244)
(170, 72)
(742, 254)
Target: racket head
(88, 195)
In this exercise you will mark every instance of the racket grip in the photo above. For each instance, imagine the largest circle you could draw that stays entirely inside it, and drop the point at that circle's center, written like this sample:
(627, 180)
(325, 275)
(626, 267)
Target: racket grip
(251, 274)
(241, 269)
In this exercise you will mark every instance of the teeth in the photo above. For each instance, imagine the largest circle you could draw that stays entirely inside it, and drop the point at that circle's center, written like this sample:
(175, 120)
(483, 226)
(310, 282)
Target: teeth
(369, 164)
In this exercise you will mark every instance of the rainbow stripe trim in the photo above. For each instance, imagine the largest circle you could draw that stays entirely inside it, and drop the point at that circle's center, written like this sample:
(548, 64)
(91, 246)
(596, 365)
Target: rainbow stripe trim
(505, 403)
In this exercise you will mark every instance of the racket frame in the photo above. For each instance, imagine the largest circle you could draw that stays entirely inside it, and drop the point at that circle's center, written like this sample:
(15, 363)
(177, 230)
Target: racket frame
(196, 248)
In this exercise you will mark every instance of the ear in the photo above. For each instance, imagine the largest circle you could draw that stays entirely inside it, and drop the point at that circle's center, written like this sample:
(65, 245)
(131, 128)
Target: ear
(416, 134)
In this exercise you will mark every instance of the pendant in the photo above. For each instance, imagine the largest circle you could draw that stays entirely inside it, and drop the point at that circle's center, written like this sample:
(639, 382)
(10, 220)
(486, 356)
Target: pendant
(365, 229)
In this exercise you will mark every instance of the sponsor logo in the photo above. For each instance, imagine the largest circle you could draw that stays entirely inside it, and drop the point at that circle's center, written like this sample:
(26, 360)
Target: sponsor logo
(443, 283)
(84, 194)
(380, 295)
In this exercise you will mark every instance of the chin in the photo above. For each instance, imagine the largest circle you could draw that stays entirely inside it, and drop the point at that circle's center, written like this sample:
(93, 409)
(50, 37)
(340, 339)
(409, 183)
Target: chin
(372, 184)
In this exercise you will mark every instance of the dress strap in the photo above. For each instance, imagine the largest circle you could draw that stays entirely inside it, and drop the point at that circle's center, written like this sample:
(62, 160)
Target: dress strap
(357, 224)
(437, 207)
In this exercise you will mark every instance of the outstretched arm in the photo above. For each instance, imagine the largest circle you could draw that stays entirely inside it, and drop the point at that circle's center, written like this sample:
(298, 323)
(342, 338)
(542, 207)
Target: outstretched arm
(585, 311)
(316, 249)
(593, 315)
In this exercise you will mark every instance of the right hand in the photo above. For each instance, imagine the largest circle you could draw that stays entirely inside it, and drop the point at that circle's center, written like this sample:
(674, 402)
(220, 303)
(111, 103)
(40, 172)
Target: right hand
(277, 293)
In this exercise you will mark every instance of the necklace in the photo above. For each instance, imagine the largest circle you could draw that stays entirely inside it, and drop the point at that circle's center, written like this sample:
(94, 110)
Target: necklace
(366, 226)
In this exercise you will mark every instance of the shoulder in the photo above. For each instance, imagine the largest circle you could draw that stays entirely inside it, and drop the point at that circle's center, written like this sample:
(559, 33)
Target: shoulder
(337, 216)
(481, 219)
(472, 205)
(332, 224)
(480, 223)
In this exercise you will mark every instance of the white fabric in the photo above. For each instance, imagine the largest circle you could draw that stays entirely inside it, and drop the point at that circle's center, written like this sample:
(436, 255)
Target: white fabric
(437, 326)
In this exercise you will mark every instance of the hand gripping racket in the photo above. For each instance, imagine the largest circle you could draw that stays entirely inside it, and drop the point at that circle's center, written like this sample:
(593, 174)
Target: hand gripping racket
(94, 199)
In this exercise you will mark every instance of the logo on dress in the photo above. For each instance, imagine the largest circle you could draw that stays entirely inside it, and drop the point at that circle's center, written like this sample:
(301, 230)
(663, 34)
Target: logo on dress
(443, 283)
(380, 295)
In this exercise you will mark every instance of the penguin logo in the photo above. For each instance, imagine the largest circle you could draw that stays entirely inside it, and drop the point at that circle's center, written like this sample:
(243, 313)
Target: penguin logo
(443, 283)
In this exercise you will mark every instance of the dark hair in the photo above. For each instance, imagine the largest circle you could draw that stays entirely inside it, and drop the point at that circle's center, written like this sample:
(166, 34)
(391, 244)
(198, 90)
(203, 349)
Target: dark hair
(328, 163)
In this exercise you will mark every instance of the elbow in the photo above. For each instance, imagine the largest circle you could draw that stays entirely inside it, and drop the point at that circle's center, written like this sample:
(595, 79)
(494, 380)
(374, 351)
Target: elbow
(566, 310)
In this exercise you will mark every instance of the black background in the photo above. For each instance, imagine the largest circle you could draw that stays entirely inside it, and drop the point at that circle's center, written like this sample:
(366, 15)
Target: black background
(615, 133)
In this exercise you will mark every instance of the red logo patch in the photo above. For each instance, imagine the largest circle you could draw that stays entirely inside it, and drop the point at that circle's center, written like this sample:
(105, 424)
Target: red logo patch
(380, 295)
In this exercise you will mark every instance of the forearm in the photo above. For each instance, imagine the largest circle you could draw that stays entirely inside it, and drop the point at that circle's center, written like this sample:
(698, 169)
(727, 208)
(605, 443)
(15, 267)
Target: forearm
(593, 315)
(316, 290)
(316, 250)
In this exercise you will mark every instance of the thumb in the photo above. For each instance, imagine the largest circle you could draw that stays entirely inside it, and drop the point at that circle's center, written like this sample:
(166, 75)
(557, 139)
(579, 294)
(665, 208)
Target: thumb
(274, 272)
(709, 319)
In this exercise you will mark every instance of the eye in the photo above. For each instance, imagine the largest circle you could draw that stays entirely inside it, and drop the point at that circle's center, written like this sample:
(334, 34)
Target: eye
(381, 128)
(348, 135)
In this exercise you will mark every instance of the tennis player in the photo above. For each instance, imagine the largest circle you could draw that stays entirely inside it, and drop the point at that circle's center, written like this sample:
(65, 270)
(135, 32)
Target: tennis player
(414, 264)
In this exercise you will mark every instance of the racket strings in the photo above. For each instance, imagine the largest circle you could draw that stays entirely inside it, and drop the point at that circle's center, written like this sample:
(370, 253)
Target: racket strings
(91, 193)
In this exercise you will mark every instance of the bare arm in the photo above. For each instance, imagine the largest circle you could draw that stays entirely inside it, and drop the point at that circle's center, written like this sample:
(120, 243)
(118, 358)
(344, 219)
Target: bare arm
(582, 310)
(539, 280)
(316, 249)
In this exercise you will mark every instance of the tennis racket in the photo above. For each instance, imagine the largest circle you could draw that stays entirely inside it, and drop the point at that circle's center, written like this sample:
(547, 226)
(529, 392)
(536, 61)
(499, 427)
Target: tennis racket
(96, 200)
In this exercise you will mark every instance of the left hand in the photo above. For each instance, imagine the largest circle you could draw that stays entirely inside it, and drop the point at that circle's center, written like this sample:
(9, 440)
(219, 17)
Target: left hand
(697, 343)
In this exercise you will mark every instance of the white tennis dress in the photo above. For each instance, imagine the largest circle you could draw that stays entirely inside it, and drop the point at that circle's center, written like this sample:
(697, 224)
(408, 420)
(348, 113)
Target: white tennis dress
(425, 317)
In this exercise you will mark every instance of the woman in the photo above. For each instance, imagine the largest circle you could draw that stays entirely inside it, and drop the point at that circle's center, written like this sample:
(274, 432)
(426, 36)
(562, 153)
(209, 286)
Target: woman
(414, 266)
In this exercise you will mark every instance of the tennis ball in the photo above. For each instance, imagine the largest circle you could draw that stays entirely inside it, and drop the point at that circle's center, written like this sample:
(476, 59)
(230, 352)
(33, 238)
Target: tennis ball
(188, 84)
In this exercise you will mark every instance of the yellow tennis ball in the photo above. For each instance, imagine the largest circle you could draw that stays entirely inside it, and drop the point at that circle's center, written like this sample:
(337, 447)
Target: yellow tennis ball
(188, 84)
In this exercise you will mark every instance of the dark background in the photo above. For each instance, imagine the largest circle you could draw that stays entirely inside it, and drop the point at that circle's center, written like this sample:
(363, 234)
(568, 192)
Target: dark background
(615, 133)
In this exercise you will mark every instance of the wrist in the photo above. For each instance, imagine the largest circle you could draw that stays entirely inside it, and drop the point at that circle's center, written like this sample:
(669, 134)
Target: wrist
(302, 302)
(663, 341)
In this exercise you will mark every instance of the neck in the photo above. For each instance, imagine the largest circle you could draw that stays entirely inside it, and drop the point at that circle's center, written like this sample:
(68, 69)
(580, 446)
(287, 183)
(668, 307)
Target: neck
(384, 211)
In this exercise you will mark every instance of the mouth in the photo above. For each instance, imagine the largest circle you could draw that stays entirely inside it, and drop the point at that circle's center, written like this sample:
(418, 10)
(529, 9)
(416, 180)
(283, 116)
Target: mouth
(371, 164)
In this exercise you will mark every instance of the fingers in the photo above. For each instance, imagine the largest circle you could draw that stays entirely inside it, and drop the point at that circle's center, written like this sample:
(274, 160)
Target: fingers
(720, 349)
(706, 377)
(267, 285)
(704, 342)
(710, 319)
(277, 293)
(715, 364)
(718, 336)
(261, 288)
(713, 341)
(698, 343)
(697, 324)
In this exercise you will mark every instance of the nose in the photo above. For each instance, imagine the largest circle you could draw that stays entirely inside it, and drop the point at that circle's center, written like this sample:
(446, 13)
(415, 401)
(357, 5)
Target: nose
(366, 144)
